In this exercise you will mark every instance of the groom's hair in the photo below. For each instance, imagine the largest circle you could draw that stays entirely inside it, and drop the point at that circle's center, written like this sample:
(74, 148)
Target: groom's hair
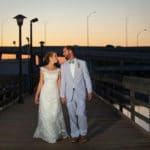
(70, 48)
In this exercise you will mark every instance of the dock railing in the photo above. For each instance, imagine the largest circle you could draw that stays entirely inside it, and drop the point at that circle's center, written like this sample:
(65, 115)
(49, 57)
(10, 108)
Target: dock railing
(127, 92)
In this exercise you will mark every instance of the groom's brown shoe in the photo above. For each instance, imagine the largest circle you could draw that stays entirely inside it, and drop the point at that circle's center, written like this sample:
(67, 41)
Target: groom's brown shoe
(83, 139)
(74, 140)
(65, 138)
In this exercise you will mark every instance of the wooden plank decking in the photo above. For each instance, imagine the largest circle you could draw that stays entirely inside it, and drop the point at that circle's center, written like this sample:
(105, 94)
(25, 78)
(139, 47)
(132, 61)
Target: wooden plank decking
(107, 130)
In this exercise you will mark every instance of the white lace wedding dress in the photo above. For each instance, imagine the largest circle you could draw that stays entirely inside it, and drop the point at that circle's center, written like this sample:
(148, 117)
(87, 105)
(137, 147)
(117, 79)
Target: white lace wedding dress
(51, 125)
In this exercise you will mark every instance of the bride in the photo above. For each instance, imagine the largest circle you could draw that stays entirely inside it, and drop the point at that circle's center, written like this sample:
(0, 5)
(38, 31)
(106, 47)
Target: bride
(51, 125)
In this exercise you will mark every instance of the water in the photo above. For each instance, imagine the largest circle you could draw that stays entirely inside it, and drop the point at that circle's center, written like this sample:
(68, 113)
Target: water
(142, 110)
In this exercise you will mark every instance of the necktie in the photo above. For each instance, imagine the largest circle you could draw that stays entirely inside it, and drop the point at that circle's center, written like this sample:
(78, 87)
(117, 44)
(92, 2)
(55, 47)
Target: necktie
(71, 61)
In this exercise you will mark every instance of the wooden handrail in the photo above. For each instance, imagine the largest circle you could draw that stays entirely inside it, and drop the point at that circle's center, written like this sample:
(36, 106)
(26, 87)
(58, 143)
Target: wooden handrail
(133, 84)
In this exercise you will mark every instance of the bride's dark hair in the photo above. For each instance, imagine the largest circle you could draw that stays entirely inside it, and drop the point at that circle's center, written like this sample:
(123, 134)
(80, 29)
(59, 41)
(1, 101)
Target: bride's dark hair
(47, 55)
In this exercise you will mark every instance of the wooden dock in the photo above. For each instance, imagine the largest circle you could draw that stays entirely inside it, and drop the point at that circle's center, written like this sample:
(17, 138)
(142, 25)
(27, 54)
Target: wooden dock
(107, 130)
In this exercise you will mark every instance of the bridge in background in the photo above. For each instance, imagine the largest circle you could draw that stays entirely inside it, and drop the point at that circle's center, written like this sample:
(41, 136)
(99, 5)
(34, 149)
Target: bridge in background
(114, 59)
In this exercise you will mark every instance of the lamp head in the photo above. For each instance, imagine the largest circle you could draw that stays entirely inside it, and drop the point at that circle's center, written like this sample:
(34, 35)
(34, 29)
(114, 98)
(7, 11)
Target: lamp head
(42, 43)
(19, 18)
(34, 20)
(27, 38)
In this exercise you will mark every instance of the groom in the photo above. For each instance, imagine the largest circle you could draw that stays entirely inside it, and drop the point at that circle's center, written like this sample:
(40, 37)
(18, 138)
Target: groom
(75, 83)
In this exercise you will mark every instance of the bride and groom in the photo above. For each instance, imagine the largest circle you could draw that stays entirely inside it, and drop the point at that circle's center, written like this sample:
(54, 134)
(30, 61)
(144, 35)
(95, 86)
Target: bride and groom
(71, 83)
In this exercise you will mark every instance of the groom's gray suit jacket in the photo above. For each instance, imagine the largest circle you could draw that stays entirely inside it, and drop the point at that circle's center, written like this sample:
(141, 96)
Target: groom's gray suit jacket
(79, 85)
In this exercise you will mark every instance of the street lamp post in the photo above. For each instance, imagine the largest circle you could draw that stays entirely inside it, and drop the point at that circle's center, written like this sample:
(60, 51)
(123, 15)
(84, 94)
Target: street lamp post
(28, 45)
(28, 52)
(1, 40)
(19, 18)
(28, 40)
(126, 31)
(138, 34)
(2, 31)
(45, 32)
(41, 54)
(87, 23)
(31, 56)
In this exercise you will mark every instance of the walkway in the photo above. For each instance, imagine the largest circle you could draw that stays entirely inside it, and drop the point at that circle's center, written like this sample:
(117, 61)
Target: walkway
(107, 130)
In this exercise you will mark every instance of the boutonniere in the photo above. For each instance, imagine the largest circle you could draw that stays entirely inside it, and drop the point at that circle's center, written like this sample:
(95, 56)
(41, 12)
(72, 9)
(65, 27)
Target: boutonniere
(78, 65)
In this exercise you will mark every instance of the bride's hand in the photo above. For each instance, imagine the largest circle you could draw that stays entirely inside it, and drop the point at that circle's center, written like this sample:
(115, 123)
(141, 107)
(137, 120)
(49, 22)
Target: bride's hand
(36, 100)
(63, 100)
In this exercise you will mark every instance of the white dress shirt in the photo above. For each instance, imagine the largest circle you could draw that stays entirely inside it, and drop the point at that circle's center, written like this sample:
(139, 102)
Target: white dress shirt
(72, 68)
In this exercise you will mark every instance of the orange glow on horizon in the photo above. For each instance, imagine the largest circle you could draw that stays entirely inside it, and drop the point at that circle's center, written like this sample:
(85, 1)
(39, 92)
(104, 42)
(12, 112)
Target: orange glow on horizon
(8, 56)
(13, 56)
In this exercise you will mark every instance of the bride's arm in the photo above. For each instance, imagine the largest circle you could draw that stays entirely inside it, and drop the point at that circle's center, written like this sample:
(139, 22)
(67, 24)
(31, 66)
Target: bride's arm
(59, 81)
(40, 84)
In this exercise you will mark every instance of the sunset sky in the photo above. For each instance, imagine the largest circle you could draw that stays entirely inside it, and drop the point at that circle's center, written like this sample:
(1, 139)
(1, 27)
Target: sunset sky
(63, 22)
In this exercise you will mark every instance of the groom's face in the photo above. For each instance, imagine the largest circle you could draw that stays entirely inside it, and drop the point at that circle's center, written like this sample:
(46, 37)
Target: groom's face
(66, 53)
